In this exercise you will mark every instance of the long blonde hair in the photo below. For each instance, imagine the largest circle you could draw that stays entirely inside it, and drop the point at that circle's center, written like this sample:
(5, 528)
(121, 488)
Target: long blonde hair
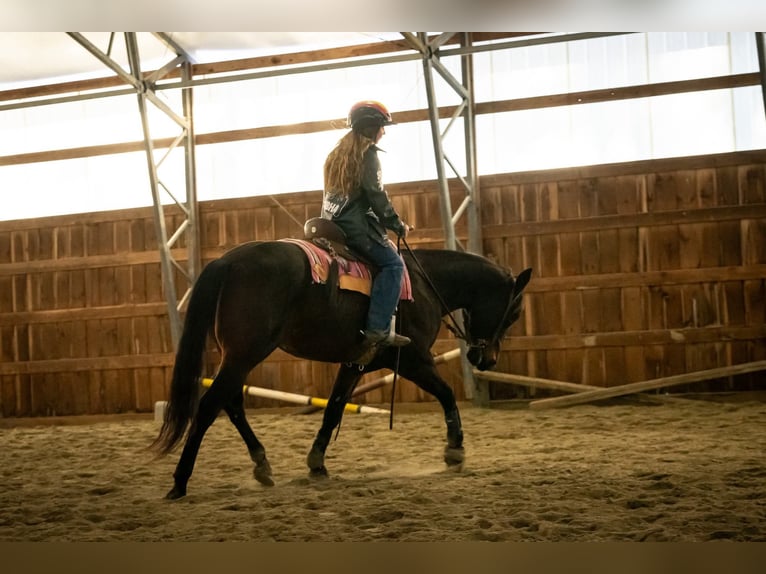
(343, 166)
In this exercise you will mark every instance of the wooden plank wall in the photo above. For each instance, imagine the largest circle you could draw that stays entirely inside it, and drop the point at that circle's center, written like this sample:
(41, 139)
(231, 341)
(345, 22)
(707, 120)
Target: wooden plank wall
(83, 326)
(642, 269)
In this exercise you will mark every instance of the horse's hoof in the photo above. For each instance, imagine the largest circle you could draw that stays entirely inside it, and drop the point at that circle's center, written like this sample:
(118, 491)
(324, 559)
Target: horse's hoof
(175, 493)
(454, 457)
(320, 472)
(315, 459)
(262, 474)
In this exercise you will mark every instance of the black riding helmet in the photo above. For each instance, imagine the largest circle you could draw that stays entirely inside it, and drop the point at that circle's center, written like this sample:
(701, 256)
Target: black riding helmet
(368, 113)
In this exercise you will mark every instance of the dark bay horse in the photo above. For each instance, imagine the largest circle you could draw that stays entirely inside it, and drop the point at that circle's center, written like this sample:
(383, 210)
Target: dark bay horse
(259, 296)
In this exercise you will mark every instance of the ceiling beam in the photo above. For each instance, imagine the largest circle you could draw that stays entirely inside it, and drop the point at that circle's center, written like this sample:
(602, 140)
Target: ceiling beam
(406, 116)
(240, 65)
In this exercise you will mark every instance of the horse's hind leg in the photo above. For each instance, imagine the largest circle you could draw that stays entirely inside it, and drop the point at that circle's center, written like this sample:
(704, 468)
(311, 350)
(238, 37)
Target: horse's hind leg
(236, 412)
(227, 383)
(346, 380)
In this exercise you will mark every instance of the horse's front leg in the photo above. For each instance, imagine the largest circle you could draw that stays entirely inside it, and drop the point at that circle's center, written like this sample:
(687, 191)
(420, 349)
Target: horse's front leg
(454, 454)
(424, 374)
(345, 382)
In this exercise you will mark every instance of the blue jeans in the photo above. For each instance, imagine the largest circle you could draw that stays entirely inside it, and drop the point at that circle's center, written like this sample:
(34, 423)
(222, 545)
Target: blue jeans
(387, 284)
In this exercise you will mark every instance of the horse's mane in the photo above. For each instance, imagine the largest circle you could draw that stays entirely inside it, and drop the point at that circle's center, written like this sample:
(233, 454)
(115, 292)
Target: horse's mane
(449, 257)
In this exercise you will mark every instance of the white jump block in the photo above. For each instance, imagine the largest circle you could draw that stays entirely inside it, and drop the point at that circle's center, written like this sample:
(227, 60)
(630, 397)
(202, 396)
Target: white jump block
(159, 411)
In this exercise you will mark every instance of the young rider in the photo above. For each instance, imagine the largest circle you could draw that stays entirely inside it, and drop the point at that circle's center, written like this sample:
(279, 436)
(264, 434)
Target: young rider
(355, 199)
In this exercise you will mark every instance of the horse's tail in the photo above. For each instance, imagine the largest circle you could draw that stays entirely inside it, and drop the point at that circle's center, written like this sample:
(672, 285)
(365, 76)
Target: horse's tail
(184, 387)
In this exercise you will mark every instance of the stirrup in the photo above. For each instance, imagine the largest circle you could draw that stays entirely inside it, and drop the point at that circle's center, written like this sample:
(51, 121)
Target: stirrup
(375, 341)
(397, 340)
(385, 339)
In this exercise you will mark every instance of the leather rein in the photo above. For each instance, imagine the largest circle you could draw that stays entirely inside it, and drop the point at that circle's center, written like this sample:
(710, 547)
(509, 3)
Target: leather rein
(455, 327)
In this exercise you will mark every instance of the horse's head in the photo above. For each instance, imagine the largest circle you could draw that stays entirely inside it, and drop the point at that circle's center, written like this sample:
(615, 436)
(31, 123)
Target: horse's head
(488, 320)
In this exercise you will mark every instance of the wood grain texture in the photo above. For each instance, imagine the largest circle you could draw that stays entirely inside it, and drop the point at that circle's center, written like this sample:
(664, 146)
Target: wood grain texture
(642, 270)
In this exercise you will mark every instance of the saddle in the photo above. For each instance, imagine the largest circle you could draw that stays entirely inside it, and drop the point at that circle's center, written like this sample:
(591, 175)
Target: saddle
(334, 263)
(329, 236)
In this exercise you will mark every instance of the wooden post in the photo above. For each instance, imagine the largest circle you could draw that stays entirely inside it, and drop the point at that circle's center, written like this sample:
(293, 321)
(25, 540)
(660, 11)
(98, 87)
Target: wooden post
(607, 393)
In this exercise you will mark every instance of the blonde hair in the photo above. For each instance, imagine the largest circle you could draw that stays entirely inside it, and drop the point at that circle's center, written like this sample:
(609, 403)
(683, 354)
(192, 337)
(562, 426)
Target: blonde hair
(343, 166)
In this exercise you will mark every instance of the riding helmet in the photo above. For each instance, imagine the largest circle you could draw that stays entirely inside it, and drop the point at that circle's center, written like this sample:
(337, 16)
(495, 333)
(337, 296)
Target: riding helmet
(368, 113)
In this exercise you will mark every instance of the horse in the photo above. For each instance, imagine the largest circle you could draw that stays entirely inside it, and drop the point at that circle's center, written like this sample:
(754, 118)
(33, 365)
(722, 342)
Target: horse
(260, 296)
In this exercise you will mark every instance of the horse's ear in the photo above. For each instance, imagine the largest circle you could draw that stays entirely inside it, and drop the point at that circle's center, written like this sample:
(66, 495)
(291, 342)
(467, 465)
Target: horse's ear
(522, 280)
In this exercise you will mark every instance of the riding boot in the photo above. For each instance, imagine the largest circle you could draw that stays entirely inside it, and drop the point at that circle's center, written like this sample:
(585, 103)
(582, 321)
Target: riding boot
(385, 339)
(374, 341)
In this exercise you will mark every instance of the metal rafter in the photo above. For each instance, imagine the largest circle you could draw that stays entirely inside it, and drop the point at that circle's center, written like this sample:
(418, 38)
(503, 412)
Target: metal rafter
(760, 44)
(429, 50)
(144, 88)
(469, 206)
(168, 84)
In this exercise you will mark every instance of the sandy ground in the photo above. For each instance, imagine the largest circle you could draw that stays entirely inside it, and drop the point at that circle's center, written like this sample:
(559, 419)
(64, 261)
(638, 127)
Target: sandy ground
(689, 470)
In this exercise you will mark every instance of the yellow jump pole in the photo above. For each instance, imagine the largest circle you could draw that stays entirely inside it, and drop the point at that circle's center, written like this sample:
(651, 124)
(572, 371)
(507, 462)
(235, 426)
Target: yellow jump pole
(300, 399)
(389, 378)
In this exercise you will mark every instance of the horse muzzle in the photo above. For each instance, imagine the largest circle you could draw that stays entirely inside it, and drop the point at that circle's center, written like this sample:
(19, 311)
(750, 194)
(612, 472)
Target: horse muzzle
(482, 355)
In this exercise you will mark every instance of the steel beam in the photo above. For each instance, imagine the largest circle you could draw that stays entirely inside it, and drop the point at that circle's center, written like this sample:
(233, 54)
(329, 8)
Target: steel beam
(355, 62)
(349, 63)
(468, 208)
(144, 88)
(471, 182)
(429, 50)
(760, 44)
(445, 203)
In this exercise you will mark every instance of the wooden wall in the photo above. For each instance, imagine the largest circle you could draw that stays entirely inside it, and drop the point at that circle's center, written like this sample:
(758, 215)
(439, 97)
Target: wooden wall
(641, 270)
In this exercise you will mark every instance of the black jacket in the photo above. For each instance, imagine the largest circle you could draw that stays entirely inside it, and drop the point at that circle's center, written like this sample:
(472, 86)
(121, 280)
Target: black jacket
(367, 211)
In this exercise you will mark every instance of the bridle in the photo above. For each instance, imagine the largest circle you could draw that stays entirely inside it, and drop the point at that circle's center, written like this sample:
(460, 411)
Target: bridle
(455, 328)
(482, 344)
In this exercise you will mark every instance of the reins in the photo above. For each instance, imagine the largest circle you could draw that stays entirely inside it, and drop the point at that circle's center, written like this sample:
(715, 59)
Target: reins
(456, 330)
(511, 304)
(398, 349)
(455, 327)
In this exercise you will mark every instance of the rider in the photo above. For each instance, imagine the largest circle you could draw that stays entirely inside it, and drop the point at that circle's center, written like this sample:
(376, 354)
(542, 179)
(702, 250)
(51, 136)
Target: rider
(355, 199)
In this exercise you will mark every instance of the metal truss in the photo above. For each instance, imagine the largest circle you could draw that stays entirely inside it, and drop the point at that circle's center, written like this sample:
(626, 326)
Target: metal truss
(429, 50)
(469, 205)
(760, 44)
(188, 228)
